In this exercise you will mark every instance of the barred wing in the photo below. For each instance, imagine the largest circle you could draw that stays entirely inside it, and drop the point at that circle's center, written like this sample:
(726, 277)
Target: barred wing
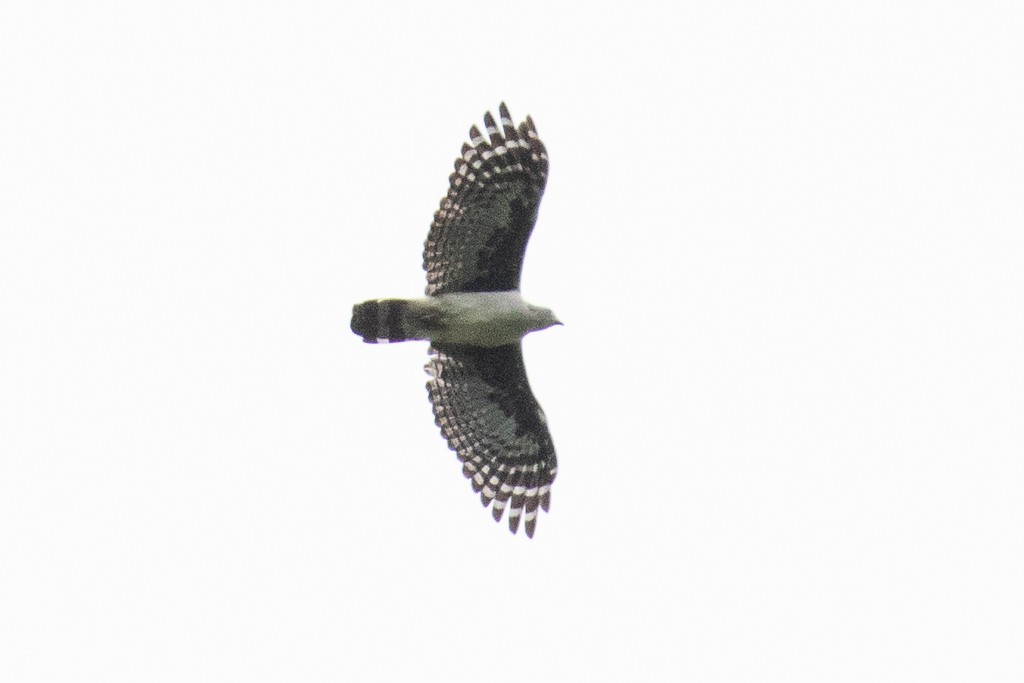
(485, 409)
(477, 240)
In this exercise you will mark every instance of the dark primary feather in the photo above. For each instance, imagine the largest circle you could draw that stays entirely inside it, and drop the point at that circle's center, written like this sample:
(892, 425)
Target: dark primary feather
(479, 234)
(490, 418)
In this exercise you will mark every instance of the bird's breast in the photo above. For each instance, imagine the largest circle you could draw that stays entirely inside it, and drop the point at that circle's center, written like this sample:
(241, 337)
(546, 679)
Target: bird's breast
(481, 318)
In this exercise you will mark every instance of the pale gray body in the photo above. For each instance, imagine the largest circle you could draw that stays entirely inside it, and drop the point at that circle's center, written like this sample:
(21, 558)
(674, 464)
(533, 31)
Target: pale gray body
(476, 318)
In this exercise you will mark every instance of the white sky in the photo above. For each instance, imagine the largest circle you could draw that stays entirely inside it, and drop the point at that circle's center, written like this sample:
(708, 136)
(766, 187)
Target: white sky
(786, 242)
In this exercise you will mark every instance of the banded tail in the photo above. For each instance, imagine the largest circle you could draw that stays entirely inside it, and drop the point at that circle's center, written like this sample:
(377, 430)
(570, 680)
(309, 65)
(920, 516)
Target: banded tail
(382, 320)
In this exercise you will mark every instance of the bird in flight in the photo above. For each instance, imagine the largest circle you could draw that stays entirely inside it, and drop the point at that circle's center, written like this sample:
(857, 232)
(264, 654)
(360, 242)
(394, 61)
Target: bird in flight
(475, 319)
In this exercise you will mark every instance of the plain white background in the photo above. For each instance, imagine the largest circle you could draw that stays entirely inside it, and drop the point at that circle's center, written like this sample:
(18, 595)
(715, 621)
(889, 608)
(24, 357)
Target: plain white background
(786, 241)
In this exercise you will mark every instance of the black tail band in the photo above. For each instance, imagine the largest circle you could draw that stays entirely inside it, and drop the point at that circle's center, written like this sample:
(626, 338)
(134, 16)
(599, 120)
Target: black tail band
(380, 320)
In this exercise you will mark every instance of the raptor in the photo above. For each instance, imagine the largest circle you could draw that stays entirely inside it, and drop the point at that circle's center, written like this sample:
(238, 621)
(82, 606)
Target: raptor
(475, 318)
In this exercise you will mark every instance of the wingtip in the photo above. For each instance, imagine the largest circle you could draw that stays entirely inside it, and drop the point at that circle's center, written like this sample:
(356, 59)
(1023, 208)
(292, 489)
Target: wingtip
(513, 519)
(498, 510)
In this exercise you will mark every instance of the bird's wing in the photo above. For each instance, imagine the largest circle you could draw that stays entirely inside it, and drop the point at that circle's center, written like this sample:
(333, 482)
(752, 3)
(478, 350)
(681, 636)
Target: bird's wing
(479, 234)
(485, 409)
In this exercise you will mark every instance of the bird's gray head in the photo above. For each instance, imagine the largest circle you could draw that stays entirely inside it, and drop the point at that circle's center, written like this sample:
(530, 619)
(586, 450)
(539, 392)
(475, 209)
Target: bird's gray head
(542, 318)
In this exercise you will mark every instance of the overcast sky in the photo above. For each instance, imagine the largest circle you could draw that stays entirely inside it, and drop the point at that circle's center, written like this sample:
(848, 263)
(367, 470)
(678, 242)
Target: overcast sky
(787, 244)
